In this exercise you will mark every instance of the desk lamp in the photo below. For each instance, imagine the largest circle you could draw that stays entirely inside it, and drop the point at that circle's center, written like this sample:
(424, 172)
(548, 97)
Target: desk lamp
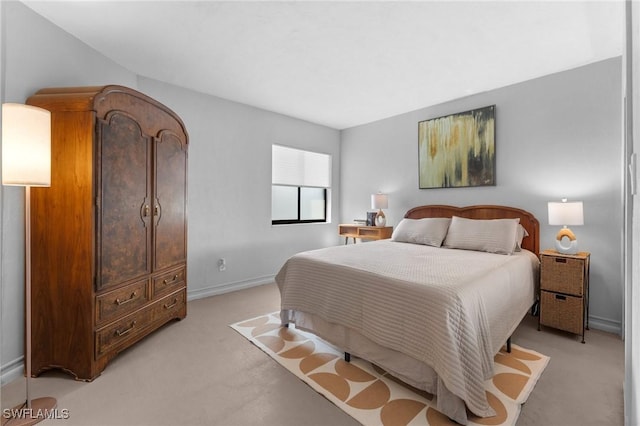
(380, 201)
(564, 214)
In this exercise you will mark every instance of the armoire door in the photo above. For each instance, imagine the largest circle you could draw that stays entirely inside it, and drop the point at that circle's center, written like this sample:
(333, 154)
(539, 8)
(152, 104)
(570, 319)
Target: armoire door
(170, 203)
(124, 201)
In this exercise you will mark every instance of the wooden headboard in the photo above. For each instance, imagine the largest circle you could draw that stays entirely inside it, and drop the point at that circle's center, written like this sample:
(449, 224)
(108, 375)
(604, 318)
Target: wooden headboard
(528, 220)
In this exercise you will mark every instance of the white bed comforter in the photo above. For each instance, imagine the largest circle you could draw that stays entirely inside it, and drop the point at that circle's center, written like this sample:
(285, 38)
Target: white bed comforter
(451, 309)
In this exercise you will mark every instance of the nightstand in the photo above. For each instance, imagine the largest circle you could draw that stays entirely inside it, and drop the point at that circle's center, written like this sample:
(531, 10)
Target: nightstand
(367, 232)
(564, 291)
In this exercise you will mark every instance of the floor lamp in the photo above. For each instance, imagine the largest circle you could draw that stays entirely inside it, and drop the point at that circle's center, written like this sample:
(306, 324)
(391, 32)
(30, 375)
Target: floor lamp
(26, 161)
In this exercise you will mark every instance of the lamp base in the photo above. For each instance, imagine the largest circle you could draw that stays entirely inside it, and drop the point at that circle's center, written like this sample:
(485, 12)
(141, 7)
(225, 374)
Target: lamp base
(381, 220)
(41, 409)
(561, 247)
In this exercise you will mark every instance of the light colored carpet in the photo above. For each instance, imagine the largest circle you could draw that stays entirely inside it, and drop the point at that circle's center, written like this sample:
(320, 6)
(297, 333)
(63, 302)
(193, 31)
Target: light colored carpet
(373, 397)
(199, 371)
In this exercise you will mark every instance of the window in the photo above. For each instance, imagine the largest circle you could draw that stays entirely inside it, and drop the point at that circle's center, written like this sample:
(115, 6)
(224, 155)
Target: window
(300, 182)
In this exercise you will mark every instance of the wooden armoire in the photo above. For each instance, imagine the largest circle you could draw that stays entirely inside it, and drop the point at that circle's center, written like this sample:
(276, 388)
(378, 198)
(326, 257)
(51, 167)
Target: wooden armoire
(109, 237)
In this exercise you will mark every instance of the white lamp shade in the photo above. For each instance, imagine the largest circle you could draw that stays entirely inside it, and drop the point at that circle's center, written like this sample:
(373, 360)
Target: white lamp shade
(26, 145)
(379, 201)
(566, 213)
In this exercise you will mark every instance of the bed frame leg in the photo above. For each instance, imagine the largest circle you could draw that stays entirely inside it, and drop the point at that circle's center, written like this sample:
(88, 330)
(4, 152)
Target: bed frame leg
(347, 357)
(509, 345)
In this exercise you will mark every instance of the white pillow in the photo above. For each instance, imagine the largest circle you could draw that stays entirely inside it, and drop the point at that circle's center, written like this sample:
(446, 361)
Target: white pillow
(520, 234)
(492, 235)
(428, 231)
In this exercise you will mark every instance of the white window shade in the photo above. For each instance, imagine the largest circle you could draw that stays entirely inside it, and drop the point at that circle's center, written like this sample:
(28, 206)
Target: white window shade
(296, 167)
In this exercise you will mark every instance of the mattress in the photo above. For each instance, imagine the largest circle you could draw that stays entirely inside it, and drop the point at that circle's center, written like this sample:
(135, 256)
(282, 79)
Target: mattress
(443, 312)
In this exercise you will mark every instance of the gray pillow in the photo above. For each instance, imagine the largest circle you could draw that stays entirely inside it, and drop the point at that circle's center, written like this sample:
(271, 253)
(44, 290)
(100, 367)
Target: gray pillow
(491, 235)
(428, 231)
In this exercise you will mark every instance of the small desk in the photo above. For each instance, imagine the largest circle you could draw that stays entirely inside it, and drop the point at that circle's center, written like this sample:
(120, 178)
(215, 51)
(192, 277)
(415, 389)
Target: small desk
(364, 232)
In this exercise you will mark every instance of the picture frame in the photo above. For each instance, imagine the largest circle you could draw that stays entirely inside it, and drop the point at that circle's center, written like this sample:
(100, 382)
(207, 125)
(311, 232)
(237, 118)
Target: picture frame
(371, 218)
(458, 150)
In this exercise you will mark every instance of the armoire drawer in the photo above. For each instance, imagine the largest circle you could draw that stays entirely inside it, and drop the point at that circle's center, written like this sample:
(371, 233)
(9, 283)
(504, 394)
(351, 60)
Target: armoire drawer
(172, 306)
(118, 303)
(168, 282)
(117, 335)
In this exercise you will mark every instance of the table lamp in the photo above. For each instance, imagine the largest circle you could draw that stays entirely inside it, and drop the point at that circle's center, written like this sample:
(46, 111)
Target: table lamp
(566, 213)
(26, 161)
(380, 201)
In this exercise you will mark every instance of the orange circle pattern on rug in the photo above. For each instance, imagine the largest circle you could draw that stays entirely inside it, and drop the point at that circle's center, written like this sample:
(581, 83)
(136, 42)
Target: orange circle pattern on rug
(262, 329)
(512, 362)
(333, 383)
(289, 335)
(517, 353)
(274, 343)
(255, 322)
(352, 372)
(500, 409)
(300, 351)
(314, 361)
(400, 411)
(377, 394)
(436, 418)
(511, 384)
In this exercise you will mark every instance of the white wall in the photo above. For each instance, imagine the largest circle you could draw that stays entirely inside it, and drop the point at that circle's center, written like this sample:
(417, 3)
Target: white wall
(36, 54)
(229, 171)
(556, 136)
(540, 124)
(230, 188)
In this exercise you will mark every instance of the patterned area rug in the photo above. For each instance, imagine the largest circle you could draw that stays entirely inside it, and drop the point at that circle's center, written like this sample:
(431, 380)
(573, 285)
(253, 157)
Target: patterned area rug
(373, 397)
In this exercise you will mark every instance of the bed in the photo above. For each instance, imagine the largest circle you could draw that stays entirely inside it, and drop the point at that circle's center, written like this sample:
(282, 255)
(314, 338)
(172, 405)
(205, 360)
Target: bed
(432, 305)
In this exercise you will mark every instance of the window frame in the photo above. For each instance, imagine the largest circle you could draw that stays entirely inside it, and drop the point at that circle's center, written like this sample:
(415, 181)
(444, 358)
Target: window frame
(299, 186)
(298, 220)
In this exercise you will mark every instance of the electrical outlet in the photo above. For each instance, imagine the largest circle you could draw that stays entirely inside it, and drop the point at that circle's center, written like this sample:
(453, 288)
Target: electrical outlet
(222, 264)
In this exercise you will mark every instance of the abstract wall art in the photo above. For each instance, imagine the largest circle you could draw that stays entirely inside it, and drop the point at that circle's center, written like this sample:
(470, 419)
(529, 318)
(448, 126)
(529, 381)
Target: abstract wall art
(458, 150)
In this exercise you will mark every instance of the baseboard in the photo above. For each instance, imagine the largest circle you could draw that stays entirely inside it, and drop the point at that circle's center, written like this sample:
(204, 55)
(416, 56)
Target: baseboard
(12, 371)
(605, 324)
(228, 287)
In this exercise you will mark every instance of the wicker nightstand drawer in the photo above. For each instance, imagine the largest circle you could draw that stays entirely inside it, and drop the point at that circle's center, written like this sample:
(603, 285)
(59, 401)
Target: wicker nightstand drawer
(564, 291)
(562, 274)
(562, 312)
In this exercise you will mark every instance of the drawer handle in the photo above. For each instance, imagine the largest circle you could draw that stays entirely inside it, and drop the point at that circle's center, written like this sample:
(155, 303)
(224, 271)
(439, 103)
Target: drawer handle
(560, 297)
(121, 333)
(174, 279)
(560, 259)
(130, 299)
(175, 302)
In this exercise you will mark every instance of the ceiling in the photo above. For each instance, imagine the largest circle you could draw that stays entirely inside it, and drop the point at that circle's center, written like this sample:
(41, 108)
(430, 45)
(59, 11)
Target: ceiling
(342, 64)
